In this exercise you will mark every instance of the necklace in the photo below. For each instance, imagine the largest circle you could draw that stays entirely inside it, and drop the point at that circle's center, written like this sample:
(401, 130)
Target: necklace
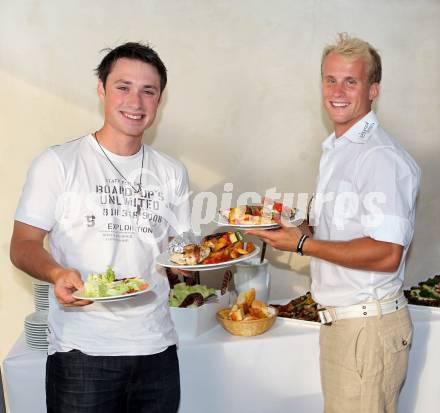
(136, 191)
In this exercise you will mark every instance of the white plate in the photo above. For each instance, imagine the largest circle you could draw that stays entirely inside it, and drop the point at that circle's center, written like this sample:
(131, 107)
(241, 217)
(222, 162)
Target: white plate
(37, 334)
(37, 318)
(31, 347)
(221, 221)
(80, 296)
(298, 321)
(39, 330)
(36, 340)
(164, 261)
(42, 338)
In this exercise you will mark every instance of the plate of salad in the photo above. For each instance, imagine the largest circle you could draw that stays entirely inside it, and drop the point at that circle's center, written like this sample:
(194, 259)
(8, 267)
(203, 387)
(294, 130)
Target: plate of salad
(107, 287)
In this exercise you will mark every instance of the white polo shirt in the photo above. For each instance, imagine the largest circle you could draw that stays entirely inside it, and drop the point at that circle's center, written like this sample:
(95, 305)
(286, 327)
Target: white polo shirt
(367, 187)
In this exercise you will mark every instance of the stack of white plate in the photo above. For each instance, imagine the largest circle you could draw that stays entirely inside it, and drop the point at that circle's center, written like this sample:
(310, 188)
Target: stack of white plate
(41, 294)
(35, 330)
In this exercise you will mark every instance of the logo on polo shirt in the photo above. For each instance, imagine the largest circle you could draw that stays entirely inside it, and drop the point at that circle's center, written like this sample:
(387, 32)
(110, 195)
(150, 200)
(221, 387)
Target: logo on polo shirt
(367, 127)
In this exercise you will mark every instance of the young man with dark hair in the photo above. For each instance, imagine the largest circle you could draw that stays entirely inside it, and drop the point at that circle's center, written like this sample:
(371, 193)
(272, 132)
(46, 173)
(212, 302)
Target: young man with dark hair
(364, 216)
(107, 199)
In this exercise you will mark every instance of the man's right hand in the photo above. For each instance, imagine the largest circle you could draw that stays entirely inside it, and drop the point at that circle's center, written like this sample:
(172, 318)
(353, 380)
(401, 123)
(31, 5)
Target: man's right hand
(66, 282)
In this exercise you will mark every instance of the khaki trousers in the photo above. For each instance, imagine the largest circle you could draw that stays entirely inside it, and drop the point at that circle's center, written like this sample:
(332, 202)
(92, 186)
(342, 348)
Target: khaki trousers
(364, 362)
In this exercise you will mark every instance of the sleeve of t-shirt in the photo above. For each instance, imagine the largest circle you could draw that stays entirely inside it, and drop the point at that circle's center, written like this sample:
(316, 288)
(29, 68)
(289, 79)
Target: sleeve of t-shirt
(388, 185)
(41, 191)
(181, 205)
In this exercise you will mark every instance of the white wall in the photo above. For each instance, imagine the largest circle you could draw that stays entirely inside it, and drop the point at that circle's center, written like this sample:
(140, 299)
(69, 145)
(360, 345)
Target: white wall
(242, 104)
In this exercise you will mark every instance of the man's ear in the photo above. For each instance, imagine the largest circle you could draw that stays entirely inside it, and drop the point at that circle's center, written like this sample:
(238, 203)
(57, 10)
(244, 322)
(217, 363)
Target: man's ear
(101, 90)
(374, 91)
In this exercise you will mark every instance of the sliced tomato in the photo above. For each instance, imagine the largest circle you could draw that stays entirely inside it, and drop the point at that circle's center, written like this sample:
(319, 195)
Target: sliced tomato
(278, 206)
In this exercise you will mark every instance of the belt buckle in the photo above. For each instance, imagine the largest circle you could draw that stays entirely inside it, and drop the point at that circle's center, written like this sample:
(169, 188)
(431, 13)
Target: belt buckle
(325, 316)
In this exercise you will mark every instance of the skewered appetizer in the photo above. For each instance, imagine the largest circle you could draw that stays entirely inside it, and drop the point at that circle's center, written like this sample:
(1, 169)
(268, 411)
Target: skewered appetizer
(255, 214)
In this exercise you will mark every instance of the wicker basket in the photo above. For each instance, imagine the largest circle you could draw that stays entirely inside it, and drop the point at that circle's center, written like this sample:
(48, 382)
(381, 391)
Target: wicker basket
(246, 328)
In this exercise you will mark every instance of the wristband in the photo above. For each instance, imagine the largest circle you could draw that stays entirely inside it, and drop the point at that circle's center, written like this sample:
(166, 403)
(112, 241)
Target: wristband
(299, 247)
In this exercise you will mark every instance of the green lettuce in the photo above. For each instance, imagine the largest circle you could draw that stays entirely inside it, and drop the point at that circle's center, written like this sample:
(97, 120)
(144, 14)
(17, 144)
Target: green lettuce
(106, 285)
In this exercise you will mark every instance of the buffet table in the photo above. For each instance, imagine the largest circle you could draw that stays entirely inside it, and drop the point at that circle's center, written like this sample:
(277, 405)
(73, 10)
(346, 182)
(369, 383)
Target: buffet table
(275, 372)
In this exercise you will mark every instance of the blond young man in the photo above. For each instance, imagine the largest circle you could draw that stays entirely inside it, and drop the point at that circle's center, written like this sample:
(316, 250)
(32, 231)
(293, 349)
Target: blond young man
(364, 216)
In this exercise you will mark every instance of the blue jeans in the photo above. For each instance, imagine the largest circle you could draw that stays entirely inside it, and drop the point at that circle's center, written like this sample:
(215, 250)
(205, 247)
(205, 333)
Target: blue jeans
(78, 383)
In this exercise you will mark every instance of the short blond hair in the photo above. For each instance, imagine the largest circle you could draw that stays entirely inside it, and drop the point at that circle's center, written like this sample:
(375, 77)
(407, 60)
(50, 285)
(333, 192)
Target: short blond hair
(354, 48)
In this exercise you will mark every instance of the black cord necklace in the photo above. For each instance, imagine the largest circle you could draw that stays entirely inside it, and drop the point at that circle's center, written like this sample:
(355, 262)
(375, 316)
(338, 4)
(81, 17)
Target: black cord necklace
(136, 191)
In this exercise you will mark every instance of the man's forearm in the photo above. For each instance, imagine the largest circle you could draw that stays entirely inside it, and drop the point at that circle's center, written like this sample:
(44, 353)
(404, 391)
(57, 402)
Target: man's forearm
(31, 257)
(362, 253)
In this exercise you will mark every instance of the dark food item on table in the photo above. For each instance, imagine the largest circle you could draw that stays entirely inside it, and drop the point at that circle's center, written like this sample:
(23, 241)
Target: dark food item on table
(227, 277)
(302, 308)
(193, 298)
(184, 295)
(426, 293)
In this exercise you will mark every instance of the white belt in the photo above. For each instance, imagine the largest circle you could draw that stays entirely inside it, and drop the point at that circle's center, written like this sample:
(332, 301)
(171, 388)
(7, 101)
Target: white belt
(370, 309)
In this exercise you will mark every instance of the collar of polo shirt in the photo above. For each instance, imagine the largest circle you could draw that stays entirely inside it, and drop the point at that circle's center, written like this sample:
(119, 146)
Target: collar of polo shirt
(360, 132)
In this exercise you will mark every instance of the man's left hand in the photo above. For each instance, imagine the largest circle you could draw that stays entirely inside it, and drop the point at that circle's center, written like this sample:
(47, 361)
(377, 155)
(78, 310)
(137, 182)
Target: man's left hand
(285, 238)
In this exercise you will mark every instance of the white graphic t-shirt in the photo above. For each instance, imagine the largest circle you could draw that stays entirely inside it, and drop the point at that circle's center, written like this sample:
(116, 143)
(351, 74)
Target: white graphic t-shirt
(96, 218)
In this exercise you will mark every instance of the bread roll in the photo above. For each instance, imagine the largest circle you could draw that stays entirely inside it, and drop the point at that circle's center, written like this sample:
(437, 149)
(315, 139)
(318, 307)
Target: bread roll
(250, 296)
(259, 309)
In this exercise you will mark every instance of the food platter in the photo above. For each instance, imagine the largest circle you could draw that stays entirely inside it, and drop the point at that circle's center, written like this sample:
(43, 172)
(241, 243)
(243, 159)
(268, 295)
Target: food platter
(300, 310)
(164, 261)
(425, 294)
(79, 295)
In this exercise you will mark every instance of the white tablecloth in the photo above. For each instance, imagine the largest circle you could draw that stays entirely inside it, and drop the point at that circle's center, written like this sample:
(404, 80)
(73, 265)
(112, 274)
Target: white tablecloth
(274, 372)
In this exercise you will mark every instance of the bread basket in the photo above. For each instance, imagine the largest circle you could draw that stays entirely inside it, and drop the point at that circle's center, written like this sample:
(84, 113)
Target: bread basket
(246, 328)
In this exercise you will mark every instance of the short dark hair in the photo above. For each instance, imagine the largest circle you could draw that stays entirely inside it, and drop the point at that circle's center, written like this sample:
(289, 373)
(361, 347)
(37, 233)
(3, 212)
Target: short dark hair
(135, 51)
